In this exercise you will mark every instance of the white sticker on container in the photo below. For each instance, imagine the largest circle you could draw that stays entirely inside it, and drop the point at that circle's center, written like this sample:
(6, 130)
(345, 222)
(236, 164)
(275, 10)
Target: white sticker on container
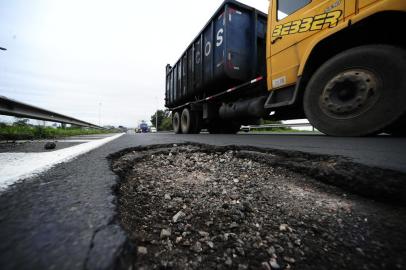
(207, 48)
(219, 37)
(278, 82)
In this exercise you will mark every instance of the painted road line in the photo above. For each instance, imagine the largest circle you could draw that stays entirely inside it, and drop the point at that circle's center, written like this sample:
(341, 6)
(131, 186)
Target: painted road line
(73, 141)
(18, 166)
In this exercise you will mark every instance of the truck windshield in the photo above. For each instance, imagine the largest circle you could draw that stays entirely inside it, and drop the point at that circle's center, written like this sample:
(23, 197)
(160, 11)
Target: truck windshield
(287, 7)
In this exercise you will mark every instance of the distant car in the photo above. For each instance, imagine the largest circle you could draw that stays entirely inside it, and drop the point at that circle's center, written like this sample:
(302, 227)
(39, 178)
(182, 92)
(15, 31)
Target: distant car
(246, 128)
(153, 129)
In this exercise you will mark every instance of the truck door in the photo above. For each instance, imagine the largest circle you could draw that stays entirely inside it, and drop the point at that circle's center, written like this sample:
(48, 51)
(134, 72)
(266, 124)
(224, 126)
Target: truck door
(291, 25)
(365, 3)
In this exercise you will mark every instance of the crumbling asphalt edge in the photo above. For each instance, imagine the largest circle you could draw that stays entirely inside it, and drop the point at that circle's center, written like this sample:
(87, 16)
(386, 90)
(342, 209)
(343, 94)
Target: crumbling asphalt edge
(372, 182)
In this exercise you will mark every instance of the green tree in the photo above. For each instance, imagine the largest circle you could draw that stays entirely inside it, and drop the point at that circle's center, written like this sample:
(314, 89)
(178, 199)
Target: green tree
(164, 119)
(166, 124)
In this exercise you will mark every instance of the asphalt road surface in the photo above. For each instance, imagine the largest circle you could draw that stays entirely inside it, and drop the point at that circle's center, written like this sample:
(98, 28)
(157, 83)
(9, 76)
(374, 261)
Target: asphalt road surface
(64, 217)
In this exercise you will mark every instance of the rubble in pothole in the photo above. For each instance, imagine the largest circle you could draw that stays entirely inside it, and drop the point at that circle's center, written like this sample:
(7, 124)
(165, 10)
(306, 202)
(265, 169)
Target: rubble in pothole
(189, 209)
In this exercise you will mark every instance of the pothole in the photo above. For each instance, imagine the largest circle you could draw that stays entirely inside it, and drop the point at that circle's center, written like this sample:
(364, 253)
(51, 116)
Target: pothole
(204, 207)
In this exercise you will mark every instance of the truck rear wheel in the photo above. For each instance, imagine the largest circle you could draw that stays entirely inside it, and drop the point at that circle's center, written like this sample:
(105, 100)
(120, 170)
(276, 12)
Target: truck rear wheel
(176, 122)
(188, 121)
(358, 92)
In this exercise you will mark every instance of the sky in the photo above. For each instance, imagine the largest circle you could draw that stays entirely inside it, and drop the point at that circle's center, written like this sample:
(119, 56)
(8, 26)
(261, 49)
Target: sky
(86, 58)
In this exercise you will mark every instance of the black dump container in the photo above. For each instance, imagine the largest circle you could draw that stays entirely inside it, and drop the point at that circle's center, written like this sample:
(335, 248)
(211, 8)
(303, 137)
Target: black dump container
(229, 50)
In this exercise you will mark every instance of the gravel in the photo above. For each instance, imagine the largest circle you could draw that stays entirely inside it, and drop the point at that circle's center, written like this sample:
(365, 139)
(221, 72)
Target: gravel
(187, 207)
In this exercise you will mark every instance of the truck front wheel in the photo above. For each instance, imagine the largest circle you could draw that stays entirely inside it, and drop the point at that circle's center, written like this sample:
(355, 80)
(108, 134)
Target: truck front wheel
(176, 122)
(358, 92)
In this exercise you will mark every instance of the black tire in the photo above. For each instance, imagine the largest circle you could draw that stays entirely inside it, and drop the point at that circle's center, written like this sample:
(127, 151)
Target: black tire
(187, 121)
(176, 122)
(358, 92)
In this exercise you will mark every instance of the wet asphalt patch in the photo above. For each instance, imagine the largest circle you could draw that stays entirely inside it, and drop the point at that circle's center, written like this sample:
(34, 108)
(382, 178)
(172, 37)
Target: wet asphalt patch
(195, 206)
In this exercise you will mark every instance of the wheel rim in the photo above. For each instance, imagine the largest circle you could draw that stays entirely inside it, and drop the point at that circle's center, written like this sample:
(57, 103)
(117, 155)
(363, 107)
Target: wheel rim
(350, 93)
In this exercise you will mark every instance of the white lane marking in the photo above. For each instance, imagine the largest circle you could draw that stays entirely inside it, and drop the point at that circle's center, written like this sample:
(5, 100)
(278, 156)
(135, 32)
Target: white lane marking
(73, 141)
(18, 166)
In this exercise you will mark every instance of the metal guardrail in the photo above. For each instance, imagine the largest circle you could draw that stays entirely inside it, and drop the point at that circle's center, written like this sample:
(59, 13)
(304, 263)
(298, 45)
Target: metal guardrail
(15, 108)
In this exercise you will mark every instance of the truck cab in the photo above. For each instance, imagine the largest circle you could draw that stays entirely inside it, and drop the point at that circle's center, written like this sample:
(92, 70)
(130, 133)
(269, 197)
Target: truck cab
(323, 63)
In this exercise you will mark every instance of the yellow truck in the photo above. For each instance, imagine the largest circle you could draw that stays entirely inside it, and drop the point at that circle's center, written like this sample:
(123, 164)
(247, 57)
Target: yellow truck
(339, 63)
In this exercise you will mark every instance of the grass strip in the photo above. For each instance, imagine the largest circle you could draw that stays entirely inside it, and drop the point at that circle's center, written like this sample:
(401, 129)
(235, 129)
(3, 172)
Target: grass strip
(13, 133)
